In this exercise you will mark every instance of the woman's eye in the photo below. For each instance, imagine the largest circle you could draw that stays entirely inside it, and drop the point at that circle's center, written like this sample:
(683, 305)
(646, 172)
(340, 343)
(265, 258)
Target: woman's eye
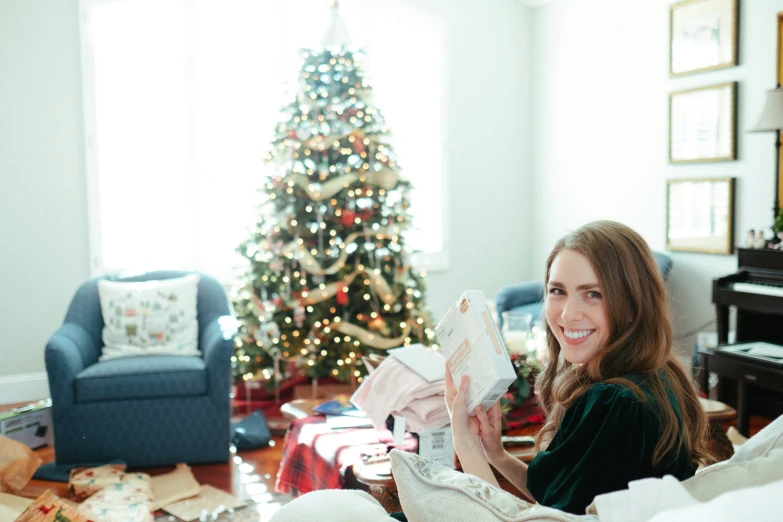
(556, 291)
(594, 295)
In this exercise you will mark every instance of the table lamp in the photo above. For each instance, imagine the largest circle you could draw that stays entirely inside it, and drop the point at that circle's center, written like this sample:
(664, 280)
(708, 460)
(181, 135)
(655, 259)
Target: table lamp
(772, 120)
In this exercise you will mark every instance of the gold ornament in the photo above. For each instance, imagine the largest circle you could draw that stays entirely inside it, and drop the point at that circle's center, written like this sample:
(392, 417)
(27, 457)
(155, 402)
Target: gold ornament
(379, 324)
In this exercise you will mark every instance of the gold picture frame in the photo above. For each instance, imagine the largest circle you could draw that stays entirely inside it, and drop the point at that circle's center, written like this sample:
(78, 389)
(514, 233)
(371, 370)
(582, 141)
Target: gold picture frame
(703, 36)
(780, 82)
(703, 124)
(700, 215)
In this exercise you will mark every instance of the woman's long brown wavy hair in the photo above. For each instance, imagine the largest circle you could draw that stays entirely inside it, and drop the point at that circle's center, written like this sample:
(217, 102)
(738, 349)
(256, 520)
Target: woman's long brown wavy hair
(633, 290)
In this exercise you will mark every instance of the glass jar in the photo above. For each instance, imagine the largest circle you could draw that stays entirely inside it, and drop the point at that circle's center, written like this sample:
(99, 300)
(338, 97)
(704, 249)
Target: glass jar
(516, 331)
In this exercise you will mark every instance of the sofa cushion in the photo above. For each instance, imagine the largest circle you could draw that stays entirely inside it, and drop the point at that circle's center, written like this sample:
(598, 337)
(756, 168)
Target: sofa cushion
(430, 491)
(132, 378)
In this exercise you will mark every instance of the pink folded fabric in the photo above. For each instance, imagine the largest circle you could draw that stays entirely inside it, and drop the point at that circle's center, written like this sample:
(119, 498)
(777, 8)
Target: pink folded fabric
(395, 389)
(426, 414)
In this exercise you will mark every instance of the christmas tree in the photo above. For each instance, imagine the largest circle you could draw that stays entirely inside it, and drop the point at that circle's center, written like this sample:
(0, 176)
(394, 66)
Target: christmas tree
(329, 277)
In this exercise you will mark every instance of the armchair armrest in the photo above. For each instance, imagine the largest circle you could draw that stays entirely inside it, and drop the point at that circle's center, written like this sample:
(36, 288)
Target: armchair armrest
(518, 295)
(69, 350)
(217, 346)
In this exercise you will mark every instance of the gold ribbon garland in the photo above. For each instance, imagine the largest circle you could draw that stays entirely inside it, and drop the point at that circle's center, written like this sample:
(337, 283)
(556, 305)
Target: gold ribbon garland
(385, 178)
(318, 295)
(371, 339)
(381, 287)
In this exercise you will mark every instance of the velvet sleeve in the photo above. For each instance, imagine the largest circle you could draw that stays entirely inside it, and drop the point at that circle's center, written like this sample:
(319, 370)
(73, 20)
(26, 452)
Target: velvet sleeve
(602, 444)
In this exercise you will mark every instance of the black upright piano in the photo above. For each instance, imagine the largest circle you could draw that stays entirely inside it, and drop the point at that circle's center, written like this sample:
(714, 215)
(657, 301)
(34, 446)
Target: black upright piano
(751, 384)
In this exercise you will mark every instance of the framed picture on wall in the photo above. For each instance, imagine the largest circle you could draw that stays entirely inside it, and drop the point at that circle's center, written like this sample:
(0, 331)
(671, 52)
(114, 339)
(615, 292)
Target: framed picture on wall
(702, 36)
(700, 215)
(703, 124)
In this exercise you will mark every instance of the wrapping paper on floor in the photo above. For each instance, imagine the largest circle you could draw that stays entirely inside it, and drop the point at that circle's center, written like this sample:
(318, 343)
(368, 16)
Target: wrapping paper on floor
(85, 482)
(207, 505)
(17, 464)
(50, 508)
(395, 389)
(173, 486)
(128, 500)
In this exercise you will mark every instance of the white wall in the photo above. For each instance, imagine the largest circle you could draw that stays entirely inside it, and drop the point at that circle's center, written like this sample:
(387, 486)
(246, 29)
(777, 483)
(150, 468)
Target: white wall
(42, 191)
(43, 221)
(600, 103)
(488, 149)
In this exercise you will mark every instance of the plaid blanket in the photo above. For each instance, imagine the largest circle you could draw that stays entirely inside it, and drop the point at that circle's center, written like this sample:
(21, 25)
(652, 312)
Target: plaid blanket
(316, 457)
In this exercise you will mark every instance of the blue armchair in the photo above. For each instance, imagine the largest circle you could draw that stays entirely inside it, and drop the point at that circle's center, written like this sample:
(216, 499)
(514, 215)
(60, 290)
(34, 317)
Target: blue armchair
(529, 297)
(148, 411)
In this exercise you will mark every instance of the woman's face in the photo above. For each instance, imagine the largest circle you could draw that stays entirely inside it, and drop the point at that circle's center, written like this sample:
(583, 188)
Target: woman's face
(575, 308)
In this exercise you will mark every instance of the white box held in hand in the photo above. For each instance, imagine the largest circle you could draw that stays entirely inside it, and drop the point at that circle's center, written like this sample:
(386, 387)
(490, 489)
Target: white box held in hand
(472, 344)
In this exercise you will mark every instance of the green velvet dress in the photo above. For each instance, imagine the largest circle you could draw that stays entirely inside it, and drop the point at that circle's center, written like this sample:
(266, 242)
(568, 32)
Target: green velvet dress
(605, 440)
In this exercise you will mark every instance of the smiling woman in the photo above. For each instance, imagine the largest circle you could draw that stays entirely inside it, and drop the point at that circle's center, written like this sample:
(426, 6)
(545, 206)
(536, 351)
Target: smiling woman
(574, 307)
(619, 407)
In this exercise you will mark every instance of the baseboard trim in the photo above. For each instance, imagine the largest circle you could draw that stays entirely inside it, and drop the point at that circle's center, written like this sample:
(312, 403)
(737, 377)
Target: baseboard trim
(23, 387)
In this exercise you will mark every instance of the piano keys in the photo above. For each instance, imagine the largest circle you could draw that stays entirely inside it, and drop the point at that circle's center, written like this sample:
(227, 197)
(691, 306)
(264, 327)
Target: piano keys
(758, 289)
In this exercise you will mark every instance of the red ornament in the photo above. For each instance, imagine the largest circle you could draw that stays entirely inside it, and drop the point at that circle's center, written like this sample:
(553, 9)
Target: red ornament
(347, 217)
(342, 297)
(292, 135)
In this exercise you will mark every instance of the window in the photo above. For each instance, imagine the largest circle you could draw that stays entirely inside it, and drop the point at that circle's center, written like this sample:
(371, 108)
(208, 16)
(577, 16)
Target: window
(181, 97)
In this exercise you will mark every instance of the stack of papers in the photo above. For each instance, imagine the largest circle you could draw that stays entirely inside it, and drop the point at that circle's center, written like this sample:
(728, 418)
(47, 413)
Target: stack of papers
(772, 353)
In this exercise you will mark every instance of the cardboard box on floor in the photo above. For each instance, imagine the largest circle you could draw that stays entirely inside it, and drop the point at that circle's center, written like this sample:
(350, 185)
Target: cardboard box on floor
(473, 345)
(30, 424)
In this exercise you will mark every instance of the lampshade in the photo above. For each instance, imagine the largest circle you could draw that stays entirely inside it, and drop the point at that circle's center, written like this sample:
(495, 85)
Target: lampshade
(772, 115)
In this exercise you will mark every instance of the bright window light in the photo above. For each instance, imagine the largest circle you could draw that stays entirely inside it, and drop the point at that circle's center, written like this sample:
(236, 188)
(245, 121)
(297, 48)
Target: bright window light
(181, 98)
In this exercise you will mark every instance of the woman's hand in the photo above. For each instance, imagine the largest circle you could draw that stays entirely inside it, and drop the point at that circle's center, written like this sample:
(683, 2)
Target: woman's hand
(464, 428)
(484, 427)
(490, 429)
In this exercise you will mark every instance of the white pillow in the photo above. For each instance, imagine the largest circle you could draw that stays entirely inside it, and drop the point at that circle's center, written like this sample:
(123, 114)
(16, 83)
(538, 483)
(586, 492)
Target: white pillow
(758, 461)
(149, 317)
(333, 505)
(759, 504)
(429, 491)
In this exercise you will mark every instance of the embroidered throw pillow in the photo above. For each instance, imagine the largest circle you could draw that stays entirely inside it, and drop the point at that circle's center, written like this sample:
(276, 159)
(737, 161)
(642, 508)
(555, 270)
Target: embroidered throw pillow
(431, 491)
(149, 317)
